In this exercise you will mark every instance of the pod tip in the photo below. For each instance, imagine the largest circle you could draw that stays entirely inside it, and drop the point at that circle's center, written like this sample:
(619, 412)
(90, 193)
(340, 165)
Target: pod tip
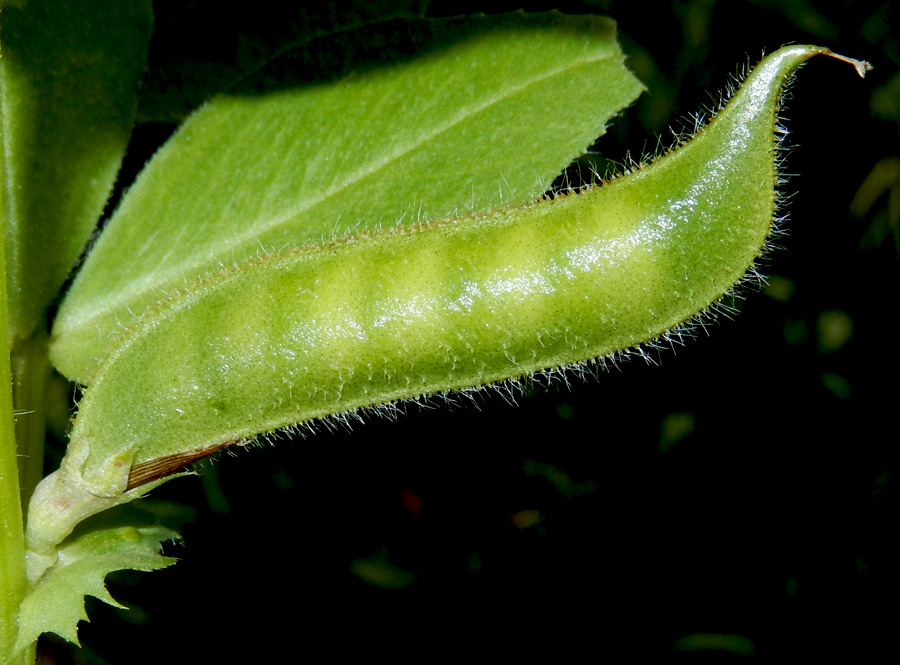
(861, 66)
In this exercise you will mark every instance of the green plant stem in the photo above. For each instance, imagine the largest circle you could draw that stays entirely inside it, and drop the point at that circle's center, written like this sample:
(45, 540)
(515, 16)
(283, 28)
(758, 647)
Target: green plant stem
(30, 373)
(12, 536)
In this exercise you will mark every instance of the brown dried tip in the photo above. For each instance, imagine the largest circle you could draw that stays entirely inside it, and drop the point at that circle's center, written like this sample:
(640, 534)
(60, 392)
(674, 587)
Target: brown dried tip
(861, 66)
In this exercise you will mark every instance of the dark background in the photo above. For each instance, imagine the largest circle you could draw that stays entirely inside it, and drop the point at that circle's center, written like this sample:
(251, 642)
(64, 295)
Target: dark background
(744, 486)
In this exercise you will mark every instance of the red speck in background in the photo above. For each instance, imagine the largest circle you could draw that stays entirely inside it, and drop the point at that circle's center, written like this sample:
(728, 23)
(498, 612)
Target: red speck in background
(412, 502)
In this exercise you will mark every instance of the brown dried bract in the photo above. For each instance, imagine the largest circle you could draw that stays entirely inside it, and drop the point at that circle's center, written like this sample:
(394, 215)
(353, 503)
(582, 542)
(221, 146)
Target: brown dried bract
(145, 472)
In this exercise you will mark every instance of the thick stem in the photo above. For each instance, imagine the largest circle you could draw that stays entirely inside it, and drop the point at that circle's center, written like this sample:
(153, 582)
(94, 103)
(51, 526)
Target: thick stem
(30, 372)
(13, 582)
(12, 534)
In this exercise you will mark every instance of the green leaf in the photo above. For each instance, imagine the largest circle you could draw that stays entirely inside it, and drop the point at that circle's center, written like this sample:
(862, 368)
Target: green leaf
(487, 112)
(67, 96)
(56, 605)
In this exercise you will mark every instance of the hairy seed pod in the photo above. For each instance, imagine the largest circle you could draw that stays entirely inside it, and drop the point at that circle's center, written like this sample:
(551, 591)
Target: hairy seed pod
(368, 320)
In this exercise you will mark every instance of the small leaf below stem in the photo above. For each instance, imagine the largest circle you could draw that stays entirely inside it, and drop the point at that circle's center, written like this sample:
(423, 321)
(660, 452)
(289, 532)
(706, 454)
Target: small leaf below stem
(56, 605)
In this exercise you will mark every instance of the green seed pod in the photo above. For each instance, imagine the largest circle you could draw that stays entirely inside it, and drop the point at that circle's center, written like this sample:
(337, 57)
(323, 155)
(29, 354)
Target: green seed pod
(364, 321)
